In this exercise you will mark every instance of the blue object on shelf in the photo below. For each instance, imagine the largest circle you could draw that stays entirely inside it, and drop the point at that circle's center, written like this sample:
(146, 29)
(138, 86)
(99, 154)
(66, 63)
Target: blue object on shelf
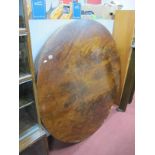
(76, 10)
(38, 9)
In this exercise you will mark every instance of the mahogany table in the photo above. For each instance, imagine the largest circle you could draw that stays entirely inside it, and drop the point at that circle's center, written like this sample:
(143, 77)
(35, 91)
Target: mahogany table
(78, 80)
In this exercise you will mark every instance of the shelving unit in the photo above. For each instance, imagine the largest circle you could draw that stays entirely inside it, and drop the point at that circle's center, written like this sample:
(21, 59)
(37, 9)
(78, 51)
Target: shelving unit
(22, 32)
(31, 132)
(25, 78)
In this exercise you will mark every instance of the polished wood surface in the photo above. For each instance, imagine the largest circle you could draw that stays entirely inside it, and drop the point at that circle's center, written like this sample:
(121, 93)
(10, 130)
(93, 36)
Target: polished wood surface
(123, 34)
(78, 80)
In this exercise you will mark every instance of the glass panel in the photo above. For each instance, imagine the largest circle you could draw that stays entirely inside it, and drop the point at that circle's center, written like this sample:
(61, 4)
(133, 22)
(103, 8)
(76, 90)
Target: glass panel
(21, 14)
(27, 118)
(23, 56)
(27, 114)
(26, 93)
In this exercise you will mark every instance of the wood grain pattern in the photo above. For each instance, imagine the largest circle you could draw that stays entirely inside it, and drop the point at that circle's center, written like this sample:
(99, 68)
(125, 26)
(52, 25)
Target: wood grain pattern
(123, 34)
(78, 80)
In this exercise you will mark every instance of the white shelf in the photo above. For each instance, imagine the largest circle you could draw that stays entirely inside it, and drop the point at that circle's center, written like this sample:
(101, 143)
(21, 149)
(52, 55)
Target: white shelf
(26, 105)
(30, 136)
(22, 32)
(25, 78)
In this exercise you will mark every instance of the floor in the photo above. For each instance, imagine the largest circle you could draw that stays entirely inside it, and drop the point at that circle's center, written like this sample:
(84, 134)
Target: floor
(115, 137)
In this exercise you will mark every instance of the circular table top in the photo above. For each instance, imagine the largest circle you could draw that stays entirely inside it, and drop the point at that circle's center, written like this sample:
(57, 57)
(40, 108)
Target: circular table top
(78, 80)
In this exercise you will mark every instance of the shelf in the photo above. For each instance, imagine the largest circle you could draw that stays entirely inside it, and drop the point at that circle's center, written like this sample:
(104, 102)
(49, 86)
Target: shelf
(22, 32)
(27, 127)
(26, 120)
(30, 129)
(24, 103)
(25, 78)
(30, 136)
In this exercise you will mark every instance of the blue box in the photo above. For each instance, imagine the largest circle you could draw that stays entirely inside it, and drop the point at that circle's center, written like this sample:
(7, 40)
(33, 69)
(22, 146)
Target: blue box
(76, 10)
(38, 9)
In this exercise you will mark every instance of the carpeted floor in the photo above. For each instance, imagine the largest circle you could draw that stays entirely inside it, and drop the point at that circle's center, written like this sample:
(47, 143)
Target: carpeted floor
(115, 137)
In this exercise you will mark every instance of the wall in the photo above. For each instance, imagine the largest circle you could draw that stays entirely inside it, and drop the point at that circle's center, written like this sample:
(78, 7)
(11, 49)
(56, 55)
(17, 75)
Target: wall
(40, 31)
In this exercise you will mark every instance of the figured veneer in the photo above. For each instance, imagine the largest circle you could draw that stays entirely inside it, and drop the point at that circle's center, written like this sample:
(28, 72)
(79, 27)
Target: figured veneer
(78, 80)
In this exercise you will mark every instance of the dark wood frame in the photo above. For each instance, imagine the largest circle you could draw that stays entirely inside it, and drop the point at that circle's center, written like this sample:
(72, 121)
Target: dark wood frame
(31, 137)
(129, 87)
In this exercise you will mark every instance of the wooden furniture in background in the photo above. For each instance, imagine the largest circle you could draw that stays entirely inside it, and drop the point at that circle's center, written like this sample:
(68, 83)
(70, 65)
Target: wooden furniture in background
(129, 87)
(31, 131)
(40, 147)
(123, 34)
